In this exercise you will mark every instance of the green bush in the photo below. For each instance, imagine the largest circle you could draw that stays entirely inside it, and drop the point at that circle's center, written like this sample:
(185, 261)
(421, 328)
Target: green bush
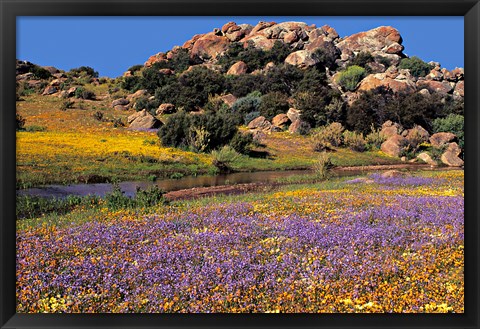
(148, 198)
(333, 133)
(40, 72)
(85, 71)
(135, 68)
(242, 143)
(34, 206)
(205, 131)
(354, 141)
(453, 123)
(362, 59)
(417, 67)
(272, 104)
(248, 104)
(35, 128)
(374, 139)
(244, 84)
(132, 84)
(223, 158)
(323, 165)
(83, 93)
(175, 132)
(349, 78)
(250, 116)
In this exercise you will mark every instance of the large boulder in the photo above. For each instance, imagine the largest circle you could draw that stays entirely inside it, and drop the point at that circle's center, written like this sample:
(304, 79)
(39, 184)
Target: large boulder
(438, 140)
(209, 46)
(280, 120)
(120, 101)
(258, 41)
(451, 156)
(137, 94)
(159, 57)
(51, 69)
(394, 145)
(390, 129)
(384, 40)
(49, 90)
(425, 157)
(238, 68)
(293, 114)
(165, 108)
(398, 84)
(299, 127)
(260, 123)
(143, 120)
(417, 135)
(302, 59)
(459, 89)
(229, 99)
(435, 86)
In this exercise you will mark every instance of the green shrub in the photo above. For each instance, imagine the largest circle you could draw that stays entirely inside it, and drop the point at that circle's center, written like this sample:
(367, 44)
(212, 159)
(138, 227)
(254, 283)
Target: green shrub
(35, 128)
(148, 198)
(417, 67)
(250, 116)
(40, 73)
(207, 131)
(84, 71)
(272, 104)
(453, 123)
(323, 165)
(247, 104)
(175, 132)
(349, 78)
(242, 143)
(132, 84)
(374, 139)
(354, 141)
(333, 133)
(34, 206)
(83, 93)
(117, 199)
(135, 68)
(199, 139)
(328, 137)
(362, 59)
(223, 158)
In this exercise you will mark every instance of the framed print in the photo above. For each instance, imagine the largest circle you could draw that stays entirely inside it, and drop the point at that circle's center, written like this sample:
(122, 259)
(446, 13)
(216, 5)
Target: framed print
(239, 164)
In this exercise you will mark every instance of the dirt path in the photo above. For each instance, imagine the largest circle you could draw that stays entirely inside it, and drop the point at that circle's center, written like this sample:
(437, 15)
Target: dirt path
(200, 192)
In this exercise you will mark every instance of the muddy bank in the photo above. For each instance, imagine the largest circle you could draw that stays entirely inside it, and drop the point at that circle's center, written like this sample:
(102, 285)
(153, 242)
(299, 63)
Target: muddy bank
(194, 193)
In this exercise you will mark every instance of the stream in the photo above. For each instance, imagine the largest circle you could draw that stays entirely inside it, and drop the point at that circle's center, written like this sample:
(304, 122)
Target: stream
(168, 185)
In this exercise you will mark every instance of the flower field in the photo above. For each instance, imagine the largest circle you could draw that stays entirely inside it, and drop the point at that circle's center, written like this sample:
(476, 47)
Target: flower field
(345, 245)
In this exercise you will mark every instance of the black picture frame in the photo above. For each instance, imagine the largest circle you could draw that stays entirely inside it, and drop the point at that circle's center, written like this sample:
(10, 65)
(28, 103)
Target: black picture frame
(10, 9)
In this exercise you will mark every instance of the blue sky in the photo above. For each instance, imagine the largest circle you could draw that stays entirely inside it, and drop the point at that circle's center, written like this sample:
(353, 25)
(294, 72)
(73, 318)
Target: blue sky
(112, 44)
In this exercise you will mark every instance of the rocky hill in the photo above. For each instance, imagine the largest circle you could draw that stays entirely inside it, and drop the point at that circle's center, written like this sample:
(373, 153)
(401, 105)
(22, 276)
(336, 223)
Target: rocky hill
(273, 77)
(383, 43)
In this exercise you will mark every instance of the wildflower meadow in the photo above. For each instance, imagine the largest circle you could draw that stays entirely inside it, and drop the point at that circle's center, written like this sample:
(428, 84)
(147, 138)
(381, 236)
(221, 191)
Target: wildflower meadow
(361, 244)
